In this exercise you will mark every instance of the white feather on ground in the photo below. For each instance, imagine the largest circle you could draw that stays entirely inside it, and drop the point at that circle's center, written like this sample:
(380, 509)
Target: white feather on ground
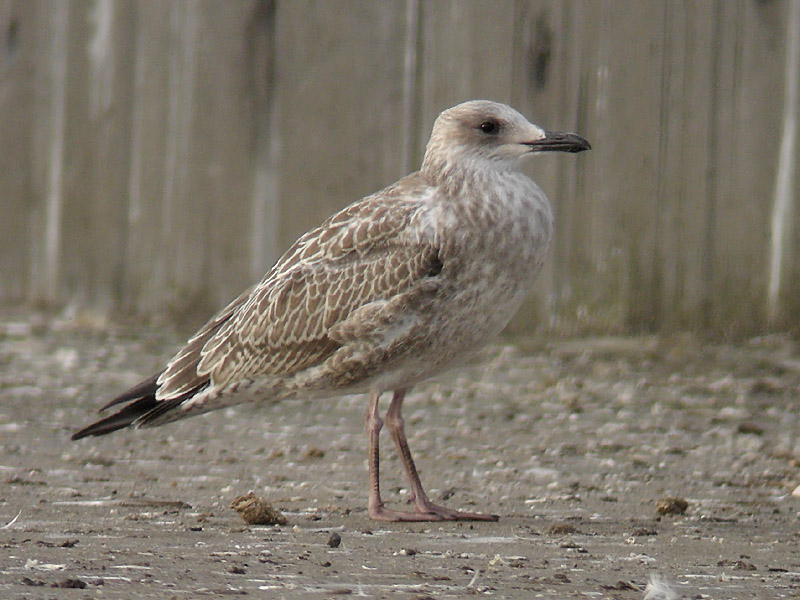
(658, 589)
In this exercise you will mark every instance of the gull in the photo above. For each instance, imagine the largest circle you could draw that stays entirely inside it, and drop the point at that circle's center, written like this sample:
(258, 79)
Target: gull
(392, 290)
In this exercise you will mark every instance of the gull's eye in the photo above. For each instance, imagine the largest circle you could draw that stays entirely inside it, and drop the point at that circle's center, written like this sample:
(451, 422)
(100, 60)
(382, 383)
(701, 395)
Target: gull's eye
(489, 127)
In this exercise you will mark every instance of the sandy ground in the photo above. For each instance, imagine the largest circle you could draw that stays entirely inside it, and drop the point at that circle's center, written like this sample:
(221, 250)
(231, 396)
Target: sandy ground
(572, 442)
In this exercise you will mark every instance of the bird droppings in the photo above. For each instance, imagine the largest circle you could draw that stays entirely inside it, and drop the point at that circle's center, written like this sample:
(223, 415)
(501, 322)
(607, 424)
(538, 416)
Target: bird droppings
(671, 505)
(255, 510)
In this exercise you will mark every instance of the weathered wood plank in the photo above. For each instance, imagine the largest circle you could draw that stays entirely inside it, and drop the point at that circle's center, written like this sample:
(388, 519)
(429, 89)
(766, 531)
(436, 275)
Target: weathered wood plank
(684, 171)
(146, 254)
(749, 101)
(541, 57)
(226, 159)
(49, 115)
(467, 52)
(608, 88)
(193, 159)
(340, 72)
(18, 24)
(783, 257)
(96, 153)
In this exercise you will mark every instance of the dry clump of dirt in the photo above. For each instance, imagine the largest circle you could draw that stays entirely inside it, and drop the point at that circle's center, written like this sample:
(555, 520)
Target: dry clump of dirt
(255, 510)
(671, 505)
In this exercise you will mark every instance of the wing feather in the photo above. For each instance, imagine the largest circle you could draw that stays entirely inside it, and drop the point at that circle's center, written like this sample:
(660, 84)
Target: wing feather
(181, 374)
(362, 255)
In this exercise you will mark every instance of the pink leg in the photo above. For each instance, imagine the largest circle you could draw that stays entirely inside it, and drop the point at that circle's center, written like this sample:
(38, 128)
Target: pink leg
(375, 507)
(425, 508)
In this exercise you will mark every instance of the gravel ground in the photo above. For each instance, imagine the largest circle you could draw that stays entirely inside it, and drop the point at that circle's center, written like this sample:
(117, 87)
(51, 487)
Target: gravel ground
(577, 444)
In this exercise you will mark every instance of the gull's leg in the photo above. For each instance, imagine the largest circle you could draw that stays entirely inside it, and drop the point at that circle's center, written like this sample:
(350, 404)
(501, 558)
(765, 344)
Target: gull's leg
(375, 506)
(425, 508)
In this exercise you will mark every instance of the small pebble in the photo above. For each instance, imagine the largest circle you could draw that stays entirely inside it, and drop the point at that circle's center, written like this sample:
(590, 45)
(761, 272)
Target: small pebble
(70, 583)
(314, 453)
(334, 540)
(562, 529)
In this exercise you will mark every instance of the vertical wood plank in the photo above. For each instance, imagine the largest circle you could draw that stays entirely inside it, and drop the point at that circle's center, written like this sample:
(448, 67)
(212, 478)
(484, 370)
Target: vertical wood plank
(96, 153)
(340, 71)
(686, 153)
(18, 34)
(466, 53)
(50, 108)
(261, 63)
(608, 88)
(226, 159)
(145, 253)
(194, 156)
(746, 122)
(781, 249)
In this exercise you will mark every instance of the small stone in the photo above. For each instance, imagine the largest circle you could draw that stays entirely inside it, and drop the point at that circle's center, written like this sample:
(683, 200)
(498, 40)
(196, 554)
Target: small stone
(314, 453)
(750, 428)
(71, 583)
(562, 529)
(334, 540)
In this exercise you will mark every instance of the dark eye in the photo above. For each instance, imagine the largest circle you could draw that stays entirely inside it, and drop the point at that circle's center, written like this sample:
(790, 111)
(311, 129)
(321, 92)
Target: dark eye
(489, 127)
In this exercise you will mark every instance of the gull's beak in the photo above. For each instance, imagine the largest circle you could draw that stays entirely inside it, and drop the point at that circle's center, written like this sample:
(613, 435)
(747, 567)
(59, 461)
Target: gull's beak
(559, 141)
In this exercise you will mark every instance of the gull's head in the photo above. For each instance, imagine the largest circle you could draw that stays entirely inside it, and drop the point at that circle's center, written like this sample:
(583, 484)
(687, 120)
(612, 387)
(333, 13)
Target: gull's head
(482, 134)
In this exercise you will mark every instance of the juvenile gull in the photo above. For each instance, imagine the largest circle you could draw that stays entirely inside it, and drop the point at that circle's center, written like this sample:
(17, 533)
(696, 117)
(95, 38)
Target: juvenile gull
(391, 290)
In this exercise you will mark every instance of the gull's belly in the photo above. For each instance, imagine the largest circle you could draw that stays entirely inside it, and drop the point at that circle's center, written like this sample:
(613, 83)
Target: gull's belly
(456, 329)
(481, 309)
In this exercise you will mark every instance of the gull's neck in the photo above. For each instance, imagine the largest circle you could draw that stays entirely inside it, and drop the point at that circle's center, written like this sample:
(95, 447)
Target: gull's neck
(462, 174)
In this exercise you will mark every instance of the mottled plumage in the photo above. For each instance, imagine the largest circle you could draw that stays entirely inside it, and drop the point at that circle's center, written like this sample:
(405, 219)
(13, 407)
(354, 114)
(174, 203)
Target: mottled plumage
(387, 292)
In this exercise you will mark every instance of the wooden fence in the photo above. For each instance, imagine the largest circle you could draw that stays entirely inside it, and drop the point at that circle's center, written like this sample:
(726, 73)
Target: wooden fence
(156, 157)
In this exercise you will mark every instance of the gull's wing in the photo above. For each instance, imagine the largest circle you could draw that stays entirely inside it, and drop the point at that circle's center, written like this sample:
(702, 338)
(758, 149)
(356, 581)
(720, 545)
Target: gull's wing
(361, 257)
(354, 286)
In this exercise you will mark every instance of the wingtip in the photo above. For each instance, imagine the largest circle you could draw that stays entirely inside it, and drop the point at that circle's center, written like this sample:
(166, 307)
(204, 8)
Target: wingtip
(102, 427)
(142, 412)
(144, 388)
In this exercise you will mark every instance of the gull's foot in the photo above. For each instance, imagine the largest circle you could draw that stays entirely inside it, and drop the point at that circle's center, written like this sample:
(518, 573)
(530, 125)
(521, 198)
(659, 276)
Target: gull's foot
(384, 514)
(449, 514)
(427, 512)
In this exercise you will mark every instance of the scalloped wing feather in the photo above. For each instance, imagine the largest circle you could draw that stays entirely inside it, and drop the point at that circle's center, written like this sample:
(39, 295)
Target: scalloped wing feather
(361, 255)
